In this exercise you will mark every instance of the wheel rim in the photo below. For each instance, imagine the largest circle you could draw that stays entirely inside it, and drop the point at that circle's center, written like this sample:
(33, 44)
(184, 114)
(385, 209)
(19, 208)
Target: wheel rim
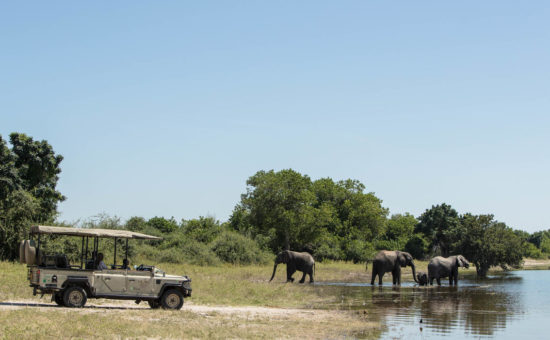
(172, 300)
(75, 298)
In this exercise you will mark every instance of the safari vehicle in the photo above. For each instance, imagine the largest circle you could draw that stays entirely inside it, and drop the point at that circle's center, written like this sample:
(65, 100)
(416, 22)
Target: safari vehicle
(72, 284)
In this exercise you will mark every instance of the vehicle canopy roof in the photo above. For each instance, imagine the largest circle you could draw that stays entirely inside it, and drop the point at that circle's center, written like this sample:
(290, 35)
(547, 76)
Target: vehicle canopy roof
(109, 233)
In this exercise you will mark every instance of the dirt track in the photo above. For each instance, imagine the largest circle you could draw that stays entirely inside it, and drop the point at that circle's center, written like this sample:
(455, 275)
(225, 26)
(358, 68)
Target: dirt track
(106, 305)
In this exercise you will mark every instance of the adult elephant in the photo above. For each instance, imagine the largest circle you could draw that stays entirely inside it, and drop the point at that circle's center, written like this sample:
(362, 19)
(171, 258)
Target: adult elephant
(391, 261)
(295, 261)
(441, 266)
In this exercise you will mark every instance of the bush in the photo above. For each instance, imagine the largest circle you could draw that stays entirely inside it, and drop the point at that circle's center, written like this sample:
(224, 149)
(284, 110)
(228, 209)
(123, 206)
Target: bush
(356, 251)
(532, 251)
(203, 229)
(417, 246)
(198, 253)
(328, 251)
(237, 249)
(162, 224)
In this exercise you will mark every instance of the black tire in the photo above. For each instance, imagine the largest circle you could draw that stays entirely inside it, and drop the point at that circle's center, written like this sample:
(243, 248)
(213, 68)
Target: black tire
(154, 304)
(58, 298)
(172, 299)
(75, 297)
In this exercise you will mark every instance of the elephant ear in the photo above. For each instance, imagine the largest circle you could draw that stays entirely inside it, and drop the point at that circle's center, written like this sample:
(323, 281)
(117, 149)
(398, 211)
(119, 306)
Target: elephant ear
(286, 257)
(462, 262)
(402, 259)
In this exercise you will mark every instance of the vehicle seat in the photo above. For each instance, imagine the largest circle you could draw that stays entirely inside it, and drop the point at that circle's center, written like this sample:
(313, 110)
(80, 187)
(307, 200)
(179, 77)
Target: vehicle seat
(61, 261)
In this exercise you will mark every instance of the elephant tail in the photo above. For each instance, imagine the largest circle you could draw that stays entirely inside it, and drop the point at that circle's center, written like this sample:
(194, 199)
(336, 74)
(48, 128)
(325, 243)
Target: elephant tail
(367, 264)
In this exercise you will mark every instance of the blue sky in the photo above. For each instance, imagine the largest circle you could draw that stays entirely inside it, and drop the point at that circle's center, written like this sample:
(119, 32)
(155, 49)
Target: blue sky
(166, 108)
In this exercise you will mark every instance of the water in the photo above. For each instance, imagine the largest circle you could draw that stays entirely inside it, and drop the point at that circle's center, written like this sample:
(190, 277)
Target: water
(507, 306)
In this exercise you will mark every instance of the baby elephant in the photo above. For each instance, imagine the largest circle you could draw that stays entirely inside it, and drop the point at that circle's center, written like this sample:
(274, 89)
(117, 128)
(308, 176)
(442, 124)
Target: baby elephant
(422, 278)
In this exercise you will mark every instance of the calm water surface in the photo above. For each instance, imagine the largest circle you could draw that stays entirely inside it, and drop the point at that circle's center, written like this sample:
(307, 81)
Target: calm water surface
(508, 306)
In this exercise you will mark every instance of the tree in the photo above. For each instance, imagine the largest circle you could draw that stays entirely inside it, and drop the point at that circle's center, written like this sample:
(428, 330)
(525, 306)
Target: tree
(37, 167)
(400, 228)
(440, 226)
(281, 204)
(162, 224)
(486, 242)
(18, 211)
(286, 210)
(28, 177)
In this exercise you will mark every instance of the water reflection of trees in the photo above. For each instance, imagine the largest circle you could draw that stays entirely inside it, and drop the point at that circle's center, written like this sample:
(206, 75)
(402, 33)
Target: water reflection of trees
(475, 310)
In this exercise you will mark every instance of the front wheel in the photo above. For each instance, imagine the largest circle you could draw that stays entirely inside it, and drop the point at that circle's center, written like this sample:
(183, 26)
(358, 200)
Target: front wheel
(75, 297)
(172, 299)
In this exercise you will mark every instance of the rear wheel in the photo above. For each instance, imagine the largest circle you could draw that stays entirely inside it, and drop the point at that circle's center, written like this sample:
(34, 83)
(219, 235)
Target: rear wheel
(154, 304)
(75, 297)
(58, 298)
(172, 299)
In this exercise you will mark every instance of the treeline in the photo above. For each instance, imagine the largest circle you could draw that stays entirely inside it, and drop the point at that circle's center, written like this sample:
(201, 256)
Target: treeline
(340, 221)
(334, 220)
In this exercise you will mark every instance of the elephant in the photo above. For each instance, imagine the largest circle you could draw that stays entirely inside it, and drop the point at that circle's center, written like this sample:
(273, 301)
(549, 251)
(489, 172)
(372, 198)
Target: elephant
(441, 266)
(422, 278)
(391, 261)
(294, 261)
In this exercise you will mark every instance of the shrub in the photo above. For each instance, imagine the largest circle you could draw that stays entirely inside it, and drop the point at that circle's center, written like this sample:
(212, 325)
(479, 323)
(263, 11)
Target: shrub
(163, 224)
(356, 251)
(234, 248)
(532, 251)
(197, 253)
(417, 246)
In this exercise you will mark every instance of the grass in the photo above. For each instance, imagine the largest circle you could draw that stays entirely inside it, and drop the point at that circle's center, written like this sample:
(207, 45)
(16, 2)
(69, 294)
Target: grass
(323, 314)
(25, 323)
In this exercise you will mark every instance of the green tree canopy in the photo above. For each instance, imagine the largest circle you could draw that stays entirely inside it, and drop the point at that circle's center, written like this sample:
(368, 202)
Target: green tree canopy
(28, 178)
(286, 210)
(439, 224)
(486, 242)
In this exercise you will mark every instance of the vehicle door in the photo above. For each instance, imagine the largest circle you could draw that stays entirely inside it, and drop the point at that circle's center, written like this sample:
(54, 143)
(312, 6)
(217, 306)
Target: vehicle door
(110, 282)
(139, 283)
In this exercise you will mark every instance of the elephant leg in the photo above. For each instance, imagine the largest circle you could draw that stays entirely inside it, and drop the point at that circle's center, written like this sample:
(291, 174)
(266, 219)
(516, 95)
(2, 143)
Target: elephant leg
(311, 276)
(289, 272)
(303, 279)
(438, 281)
(398, 275)
(380, 275)
(372, 277)
(451, 280)
(431, 280)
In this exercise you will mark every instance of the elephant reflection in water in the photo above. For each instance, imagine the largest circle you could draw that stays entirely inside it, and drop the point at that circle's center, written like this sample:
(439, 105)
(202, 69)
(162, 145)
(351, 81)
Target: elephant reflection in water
(446, 308)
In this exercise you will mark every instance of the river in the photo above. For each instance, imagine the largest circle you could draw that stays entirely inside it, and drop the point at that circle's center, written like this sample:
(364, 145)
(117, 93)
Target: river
(505, 306)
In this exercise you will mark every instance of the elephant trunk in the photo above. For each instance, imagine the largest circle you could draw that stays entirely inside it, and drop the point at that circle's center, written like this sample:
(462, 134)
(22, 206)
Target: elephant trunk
(274, 269)
(414, 272)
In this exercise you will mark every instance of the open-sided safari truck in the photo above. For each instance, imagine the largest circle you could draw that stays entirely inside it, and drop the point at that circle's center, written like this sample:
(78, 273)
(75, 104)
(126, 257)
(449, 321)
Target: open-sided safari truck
(72, 284)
